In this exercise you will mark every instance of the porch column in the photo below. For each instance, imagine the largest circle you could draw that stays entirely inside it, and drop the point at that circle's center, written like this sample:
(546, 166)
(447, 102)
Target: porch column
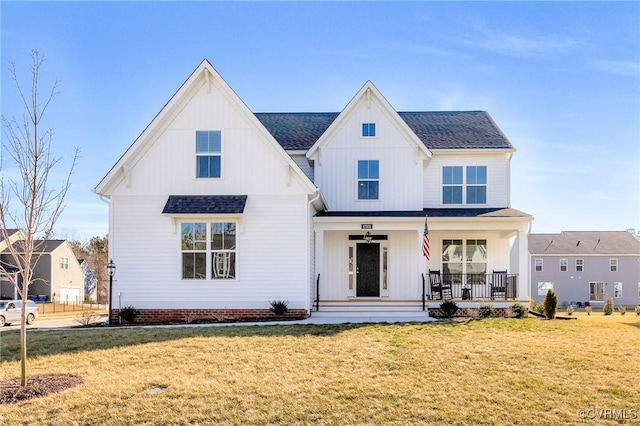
(319, 263)
(524, 285)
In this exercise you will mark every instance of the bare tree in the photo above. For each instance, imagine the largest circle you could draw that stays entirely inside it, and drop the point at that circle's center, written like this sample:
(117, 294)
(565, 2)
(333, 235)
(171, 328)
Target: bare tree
(29, 201)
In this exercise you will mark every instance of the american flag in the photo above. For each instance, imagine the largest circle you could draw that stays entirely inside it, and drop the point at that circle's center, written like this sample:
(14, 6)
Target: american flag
(425, 241)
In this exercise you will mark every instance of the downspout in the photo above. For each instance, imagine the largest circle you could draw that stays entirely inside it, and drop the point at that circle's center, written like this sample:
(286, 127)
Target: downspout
(309, 242)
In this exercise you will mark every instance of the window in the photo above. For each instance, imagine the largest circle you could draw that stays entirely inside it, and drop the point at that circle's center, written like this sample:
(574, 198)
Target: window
(452, 256)
(194, 251)
(613, 265)
(208, 154)
(476, 184)
(452, 185)
(368, 179)
(617, 290)
(64, 263)
(208, 247)
(368, 129)
(223, 250)
(564, 265)
(476, 257)
(579, 265)
(544, 287)
(596, 291)
(538, 265)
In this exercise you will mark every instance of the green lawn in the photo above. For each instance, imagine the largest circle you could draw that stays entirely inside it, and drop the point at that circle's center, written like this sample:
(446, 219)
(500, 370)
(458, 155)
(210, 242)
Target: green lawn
(496, 371)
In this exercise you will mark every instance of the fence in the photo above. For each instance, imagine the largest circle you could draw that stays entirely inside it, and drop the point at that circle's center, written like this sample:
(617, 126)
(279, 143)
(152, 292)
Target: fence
(54, 308)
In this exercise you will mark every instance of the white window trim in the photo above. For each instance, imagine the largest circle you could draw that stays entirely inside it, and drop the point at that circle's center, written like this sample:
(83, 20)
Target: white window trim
(613, 263)
(546, 285)
(464, 185)
(581, 265)
(603, 292)
(617, 287)
(566, 265)
(367, 200)
(535, 265)
(208, 251)
(213, 154)
(369, 137)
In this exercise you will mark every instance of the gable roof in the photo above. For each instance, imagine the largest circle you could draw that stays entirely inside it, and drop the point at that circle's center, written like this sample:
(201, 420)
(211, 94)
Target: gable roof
(44, 246)
(584, 243)
(366, 94)
(205, 204)
(204, 74)
(435, 129)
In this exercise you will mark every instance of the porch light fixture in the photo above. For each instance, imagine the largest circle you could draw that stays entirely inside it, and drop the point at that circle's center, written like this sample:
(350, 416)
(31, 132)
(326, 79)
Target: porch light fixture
(367, 237)
(111, 270)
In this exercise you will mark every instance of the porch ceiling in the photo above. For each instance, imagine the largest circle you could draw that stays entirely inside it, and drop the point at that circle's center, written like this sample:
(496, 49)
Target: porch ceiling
(496, 212)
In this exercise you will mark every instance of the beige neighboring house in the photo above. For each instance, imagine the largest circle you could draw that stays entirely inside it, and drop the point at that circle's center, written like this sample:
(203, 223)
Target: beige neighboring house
(58, 275)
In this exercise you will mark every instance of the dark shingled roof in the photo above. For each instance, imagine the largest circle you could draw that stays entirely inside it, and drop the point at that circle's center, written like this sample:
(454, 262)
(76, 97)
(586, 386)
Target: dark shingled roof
(584, 242)
(445, 212)
(42, 246)
(437, 130)
(204, 204)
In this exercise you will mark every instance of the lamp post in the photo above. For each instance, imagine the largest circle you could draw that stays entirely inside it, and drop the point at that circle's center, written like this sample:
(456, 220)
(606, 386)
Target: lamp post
(111, 270)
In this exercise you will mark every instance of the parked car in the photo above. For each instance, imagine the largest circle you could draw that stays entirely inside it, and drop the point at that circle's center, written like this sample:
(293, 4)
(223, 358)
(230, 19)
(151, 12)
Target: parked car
(10, 311)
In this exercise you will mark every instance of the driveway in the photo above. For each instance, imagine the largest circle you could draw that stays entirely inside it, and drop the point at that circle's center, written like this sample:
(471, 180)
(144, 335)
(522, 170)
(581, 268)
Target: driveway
(52, 323)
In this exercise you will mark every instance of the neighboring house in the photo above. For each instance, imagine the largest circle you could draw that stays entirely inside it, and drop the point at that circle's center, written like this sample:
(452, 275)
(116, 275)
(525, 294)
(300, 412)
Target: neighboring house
(586, 267)
(90, 280)
(216, 210)
(57, 274)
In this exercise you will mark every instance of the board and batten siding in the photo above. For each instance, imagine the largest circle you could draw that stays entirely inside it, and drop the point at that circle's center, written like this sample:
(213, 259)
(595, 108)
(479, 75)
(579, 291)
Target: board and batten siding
(271, 256)
(498, 176)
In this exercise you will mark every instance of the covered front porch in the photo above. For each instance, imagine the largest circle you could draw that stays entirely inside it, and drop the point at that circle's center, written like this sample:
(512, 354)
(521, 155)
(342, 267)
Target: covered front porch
(370, 262)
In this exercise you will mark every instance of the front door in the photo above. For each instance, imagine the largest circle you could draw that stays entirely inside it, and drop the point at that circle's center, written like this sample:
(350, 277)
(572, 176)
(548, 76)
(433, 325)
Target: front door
(368, 270)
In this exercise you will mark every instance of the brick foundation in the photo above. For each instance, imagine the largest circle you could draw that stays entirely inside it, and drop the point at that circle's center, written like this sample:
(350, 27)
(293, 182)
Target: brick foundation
(188, 316)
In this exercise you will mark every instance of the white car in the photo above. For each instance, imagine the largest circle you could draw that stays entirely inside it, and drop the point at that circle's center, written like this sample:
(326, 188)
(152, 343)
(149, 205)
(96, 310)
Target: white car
(10, 311)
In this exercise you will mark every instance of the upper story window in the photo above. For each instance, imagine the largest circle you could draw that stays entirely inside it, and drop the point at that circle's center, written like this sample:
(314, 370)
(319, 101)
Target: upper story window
(452, 185)
(64, 263)
(613, 265)
(368, 179)
(208, 154)
(368, 129)
(476, 184)
(579, 265)
(458, 190)
(538, 265)
(564, 265)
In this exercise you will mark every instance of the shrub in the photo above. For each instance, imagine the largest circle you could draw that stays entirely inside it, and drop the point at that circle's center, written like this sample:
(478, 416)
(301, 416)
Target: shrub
(569, 310)
(588, 310)
(608, 307)
(638, 310)
(550, 304)
(86, 318)
(129, 313)
(279, 307)
(485, 310)
(449, 308)
(519, 311)
(622, 310)
(532, 304)
(539, 308)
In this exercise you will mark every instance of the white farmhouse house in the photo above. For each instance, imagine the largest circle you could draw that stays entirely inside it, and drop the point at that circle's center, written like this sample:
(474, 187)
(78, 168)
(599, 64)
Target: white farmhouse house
(215, 210)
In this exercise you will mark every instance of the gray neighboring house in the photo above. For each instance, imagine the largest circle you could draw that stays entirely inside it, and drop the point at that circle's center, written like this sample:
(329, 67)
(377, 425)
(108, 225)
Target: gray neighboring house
(586, 266)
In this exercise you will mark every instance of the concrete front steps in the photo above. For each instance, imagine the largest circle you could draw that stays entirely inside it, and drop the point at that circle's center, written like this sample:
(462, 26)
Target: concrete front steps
(373, 310)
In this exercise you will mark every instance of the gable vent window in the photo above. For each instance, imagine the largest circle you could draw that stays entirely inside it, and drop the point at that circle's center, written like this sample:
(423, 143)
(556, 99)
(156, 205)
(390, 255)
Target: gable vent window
(368, 129)
(208, 154)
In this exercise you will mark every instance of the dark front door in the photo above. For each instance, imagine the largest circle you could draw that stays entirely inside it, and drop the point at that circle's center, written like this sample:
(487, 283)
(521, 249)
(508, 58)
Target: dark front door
(368, 270)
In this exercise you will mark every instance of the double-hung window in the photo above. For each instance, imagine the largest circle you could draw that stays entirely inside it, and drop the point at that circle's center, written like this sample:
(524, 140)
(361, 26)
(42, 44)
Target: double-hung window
(452, 185)
(617, 290)
(208, 250)
(538, 265)
(476, 184)
(613, 265)
(208, 154)
(579, 265)
(464, 185)
(368, 179)
(64, 263)
(564, 265)
(368, 130)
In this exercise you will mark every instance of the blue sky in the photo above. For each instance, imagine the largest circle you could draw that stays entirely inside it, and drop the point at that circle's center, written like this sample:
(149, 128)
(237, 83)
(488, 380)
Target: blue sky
(561, 79)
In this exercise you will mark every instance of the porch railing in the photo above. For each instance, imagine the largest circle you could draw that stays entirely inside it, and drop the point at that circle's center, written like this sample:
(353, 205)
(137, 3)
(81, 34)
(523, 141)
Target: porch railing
(497, 286)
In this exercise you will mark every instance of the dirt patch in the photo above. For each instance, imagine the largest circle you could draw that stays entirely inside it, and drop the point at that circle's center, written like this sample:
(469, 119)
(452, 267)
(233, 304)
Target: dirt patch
(37, 386)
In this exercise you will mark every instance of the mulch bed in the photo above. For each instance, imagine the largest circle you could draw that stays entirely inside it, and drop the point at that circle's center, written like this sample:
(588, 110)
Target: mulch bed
(37, 386)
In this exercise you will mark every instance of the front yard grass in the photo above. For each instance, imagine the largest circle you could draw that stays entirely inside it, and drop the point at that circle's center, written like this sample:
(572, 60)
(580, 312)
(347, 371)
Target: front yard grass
(494, 371)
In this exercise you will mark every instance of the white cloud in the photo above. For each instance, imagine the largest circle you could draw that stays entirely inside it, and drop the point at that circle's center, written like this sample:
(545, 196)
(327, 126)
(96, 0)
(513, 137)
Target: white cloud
(624, 68)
